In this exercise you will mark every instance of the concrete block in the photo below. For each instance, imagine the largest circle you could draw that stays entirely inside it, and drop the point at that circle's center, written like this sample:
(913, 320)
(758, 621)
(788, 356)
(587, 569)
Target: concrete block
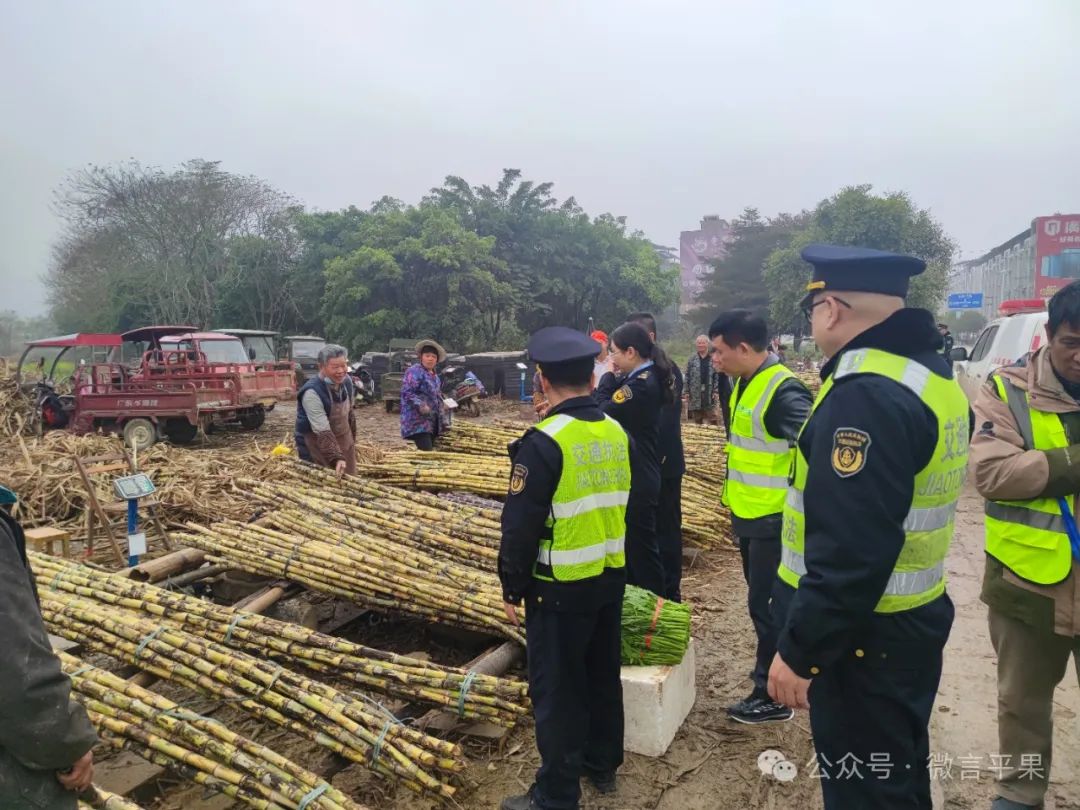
(656, 701)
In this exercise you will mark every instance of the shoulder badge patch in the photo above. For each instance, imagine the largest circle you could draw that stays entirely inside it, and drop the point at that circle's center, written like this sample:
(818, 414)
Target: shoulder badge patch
(643, 375)
(623, 394)
(517, 479)
(849, 451)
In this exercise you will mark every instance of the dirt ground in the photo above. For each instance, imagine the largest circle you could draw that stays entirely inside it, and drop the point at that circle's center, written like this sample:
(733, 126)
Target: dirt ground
(713, 762)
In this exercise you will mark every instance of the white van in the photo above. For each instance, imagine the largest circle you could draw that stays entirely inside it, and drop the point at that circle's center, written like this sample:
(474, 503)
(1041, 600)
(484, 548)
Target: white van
(1021, 329)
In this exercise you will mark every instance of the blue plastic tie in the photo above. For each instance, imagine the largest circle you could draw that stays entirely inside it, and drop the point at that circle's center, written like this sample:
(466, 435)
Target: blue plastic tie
(146, 640)
(379, 742)
(312, 796)
(464, 693)
(232, 626)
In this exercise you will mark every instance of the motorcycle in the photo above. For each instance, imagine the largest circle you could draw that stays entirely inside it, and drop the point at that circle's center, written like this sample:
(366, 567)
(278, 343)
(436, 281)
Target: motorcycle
(363, 382)
(463, 388)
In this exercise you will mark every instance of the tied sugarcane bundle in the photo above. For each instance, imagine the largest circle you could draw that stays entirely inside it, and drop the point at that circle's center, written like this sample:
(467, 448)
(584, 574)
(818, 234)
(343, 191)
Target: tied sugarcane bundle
(203, 750)
(320, 515)
(479, 524)
(475, 460)
(655, 631)
(439, 471)
(384, 576)
(501, 701)
(362, 732)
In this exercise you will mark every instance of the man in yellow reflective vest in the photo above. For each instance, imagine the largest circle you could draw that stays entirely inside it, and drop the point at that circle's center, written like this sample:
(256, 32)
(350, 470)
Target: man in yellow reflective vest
(563, 553)
(866, 528)
(768, 407)
(1026, 458)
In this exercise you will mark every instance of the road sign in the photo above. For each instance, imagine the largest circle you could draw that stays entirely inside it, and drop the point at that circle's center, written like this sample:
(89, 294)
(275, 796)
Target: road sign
(966, 301)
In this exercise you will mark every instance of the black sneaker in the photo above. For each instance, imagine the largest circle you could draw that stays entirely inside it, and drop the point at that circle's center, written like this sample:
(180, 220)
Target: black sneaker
(604, 782)
(746, 703)
(523, 802)
(762, 710)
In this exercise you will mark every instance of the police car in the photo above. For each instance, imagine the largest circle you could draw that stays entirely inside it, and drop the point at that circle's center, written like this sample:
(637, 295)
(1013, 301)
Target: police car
(1021, 329)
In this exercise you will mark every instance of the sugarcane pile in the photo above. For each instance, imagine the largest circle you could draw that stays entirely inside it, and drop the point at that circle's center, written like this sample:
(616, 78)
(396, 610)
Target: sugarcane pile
(655, 631)
(191, 484)
(382, 575)
(440, 471)
(458, 531)
(205, 751)
(811, 379)
(482, 449)
(16, 409)
(476, 697)
(268, 691)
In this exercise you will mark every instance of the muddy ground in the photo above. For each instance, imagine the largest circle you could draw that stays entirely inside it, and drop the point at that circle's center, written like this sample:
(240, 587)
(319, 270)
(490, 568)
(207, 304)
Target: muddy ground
(712, 762)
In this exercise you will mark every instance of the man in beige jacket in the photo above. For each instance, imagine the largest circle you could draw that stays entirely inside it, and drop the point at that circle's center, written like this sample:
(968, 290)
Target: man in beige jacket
(1026, 455)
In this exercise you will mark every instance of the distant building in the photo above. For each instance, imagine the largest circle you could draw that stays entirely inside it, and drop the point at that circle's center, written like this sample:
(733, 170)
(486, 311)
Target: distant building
(696, 250)
(1033, 264)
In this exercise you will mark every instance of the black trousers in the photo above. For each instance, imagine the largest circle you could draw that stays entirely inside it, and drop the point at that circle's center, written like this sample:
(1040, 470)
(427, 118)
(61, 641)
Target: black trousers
(669, 536)
(760, 560)
(423, 441)
(574, 684)
(644, 566)
(875, 711)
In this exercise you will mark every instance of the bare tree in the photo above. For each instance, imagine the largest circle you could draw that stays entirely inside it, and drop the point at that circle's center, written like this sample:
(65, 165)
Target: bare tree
(149, 245)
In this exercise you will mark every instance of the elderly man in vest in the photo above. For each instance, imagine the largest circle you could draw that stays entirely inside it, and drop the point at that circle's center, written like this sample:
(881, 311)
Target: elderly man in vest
(562, 553)
(866, 528)
(1026, 459)
(325, 417)
(768, 407)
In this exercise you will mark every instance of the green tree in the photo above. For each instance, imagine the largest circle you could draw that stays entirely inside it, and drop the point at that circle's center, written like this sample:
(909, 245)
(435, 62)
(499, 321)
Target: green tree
(857, 217)
(417, 266)
(561, 266)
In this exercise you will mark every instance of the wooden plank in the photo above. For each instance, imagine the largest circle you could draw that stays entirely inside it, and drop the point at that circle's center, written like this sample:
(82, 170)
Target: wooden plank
(496, 661)
(64, 645)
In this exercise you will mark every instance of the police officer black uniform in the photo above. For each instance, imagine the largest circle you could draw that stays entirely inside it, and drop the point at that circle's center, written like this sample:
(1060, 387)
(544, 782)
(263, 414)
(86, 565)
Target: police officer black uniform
(636, 401)
(562, 552)
(672, 469)
(866, 525)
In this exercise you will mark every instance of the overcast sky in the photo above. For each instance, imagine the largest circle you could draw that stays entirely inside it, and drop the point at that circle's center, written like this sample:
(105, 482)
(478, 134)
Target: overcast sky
(660, 111)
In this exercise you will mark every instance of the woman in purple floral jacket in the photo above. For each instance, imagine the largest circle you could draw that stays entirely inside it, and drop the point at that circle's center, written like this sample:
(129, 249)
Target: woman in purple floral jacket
(421, 397)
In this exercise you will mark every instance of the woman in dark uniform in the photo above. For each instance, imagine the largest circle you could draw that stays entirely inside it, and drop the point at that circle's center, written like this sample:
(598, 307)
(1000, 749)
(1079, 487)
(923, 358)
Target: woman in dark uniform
(635, 399)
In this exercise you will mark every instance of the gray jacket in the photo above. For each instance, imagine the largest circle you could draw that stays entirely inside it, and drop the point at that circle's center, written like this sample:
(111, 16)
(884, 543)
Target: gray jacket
(42, 730)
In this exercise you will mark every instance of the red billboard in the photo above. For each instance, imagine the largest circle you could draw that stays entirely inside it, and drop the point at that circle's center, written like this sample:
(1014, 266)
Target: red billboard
(1057, 252)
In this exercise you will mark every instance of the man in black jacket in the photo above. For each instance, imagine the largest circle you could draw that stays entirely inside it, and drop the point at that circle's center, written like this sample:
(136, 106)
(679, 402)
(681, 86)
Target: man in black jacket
(768, 409)
(867, 523)
(562, 553)
(45, 737)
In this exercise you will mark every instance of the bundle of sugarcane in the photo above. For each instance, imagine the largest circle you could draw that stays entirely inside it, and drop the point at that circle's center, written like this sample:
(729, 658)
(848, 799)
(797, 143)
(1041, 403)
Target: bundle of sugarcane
(469, 695)
(263, 689)
(454, 517)
(489, 440)
(130, 717)
(703, 447)
(384, 576)
(97, 799)
(327, 516)
(706, 521)
(442, 472)
(655, 631)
